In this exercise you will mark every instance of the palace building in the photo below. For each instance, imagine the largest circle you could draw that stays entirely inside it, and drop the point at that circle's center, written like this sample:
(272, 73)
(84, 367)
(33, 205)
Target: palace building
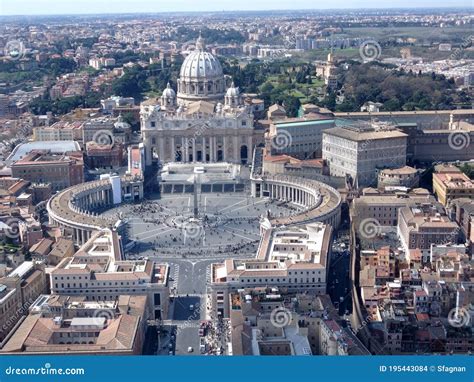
(203, 122)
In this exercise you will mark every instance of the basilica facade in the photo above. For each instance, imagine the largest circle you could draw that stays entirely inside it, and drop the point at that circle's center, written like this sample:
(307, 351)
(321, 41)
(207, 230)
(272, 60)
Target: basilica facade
(204, 122)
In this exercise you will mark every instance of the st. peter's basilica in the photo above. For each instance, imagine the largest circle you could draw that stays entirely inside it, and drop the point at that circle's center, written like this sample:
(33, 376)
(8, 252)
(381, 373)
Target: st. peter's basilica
(205, 122)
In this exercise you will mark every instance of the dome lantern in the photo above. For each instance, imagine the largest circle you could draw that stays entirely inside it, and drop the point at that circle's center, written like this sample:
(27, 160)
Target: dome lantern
(200, 44)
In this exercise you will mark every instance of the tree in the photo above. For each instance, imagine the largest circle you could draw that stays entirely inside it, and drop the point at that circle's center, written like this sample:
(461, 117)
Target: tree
(132, 84)
(292, 105)
(397, 89)
(58, 66)
(329, 101)
(132, 120)
(467, 169)
(345, 106)
(392, 105)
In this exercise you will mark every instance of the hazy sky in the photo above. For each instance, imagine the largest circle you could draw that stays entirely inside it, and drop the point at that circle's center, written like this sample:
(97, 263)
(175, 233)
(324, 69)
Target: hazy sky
(29, 7)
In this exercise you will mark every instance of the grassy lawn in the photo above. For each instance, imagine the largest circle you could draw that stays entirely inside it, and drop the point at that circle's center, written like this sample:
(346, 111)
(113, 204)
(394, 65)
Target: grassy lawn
(152, 94)
(273, 78)
(9, 247)
(315, 83)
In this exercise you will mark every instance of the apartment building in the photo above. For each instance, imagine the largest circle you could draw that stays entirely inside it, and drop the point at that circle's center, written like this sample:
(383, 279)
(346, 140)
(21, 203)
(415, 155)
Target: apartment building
(100, 156)
(270, 321)
(462, 211)
(452, 185)
(383, 206)
(59, 131)
(420, 226)
(18, 290)
(42, 166)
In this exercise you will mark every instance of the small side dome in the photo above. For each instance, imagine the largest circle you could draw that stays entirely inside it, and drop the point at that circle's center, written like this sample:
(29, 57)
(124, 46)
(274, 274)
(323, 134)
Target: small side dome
(233, 91)
(121, 124)
(169, 92)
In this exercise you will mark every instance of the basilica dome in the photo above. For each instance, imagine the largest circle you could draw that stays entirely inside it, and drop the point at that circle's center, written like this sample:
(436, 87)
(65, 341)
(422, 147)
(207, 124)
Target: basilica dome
(201, 76)
(201, 65)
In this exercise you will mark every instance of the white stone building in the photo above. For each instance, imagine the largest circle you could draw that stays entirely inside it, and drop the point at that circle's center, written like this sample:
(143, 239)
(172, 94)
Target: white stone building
(99, 272)
(203, 122)
(294, 259)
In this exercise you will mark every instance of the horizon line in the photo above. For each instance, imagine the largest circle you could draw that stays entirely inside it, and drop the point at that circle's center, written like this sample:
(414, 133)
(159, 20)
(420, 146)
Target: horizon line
(460, 7)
